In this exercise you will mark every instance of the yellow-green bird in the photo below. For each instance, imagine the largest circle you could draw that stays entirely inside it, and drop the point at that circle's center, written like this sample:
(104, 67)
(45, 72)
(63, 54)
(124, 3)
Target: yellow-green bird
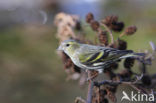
(91, 57)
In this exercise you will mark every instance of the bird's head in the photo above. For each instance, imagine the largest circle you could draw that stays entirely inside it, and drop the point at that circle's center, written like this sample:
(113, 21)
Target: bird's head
(69, 46)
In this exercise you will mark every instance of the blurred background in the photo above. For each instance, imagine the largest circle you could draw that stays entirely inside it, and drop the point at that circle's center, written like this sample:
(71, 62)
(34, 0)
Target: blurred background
(30, 70)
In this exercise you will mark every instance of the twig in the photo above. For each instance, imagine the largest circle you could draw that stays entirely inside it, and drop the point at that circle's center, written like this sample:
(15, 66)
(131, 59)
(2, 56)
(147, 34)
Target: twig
(152, 46)
(138, 88)
(98, 95)
(143, 68)
(110, 32)
(79, 99)
(122, 34)
(101, 93)
(110, 82)
(90, 89)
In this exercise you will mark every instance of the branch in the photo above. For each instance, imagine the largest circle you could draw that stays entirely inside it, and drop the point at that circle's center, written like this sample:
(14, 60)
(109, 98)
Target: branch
(110, 82)
(90, 88)
(132, 84)
(110, 32)
(79, 99)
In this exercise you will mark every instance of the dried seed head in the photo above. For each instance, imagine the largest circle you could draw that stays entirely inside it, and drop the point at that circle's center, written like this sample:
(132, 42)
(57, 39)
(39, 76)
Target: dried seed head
(114, 65)
(114, 45)
(146, 80)
(117, 27)
(125, 74)
(112, 75)
(104, 92)
(93, 73)
(104, 100)
(95, 25)
(64, 57)
(89, 17)
(111, 67)
(130, 30)
(111, 95)
(122, 45)
(68, 64)
(76, 69)
(103, 38)
(112, 88)
(113, 24)
(129, 62)
(67, 61)
(78, 26)
(109, 20)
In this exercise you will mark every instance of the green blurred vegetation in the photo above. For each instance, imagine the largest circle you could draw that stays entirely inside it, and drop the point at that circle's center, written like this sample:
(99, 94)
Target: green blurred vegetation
(32, 72)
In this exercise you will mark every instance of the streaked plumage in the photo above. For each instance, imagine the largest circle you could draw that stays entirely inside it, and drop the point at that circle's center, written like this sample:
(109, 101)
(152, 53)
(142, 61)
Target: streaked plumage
(93, 57)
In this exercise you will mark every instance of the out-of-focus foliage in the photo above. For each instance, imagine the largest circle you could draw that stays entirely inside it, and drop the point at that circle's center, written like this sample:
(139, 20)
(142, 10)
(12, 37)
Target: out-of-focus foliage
(30, 70)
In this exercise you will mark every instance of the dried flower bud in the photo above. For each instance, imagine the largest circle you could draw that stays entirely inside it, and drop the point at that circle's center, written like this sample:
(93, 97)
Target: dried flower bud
(67, 61)
(104, 101)
(113, 24)
(64, 57)
(89, 17)
(129, 62)
(112, 88)
(76, 69)
(114, 45)
(112, 75)
(122, 45)
(95, 25)
(68, 64)
(109, 69)
(103, 37)
(110, 20)
(104, 92)
(130, 30)
(78, 26)
(125, 74)
(111, 96)
(114, 65)
(146, 80)
(117, 27)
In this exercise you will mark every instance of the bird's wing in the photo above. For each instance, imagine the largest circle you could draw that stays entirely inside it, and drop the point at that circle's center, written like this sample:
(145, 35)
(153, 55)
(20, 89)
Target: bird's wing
(101, 56)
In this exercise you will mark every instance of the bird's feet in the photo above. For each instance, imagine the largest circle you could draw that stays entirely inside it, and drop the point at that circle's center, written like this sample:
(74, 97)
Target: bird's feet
(92, 75)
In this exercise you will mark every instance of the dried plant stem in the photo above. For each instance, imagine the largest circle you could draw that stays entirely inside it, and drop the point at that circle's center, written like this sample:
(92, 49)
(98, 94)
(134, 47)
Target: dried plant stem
(111, 82)
(90, 88)
(98, 95)
(110, 32)
(79, 99)
(95, 39)
(132, 84)
(122, 34)
(102, 92)
(139, 89)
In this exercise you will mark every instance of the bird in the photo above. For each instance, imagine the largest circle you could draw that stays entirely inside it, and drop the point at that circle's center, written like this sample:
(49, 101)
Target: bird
(93, 57)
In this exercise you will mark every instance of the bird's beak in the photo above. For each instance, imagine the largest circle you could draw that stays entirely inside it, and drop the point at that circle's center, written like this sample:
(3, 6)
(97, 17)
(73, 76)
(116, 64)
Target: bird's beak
(59, 48)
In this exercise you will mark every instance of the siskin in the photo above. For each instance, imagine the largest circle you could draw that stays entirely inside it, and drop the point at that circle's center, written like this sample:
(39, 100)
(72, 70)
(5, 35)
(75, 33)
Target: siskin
(91, 57)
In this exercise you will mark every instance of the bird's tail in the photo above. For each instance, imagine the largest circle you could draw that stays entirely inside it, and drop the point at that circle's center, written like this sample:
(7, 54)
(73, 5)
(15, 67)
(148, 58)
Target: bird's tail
(132, 54)
(139, 54)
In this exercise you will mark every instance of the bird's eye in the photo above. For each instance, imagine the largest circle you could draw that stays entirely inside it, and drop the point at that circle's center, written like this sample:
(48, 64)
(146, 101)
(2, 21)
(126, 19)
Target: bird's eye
(67, 45)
